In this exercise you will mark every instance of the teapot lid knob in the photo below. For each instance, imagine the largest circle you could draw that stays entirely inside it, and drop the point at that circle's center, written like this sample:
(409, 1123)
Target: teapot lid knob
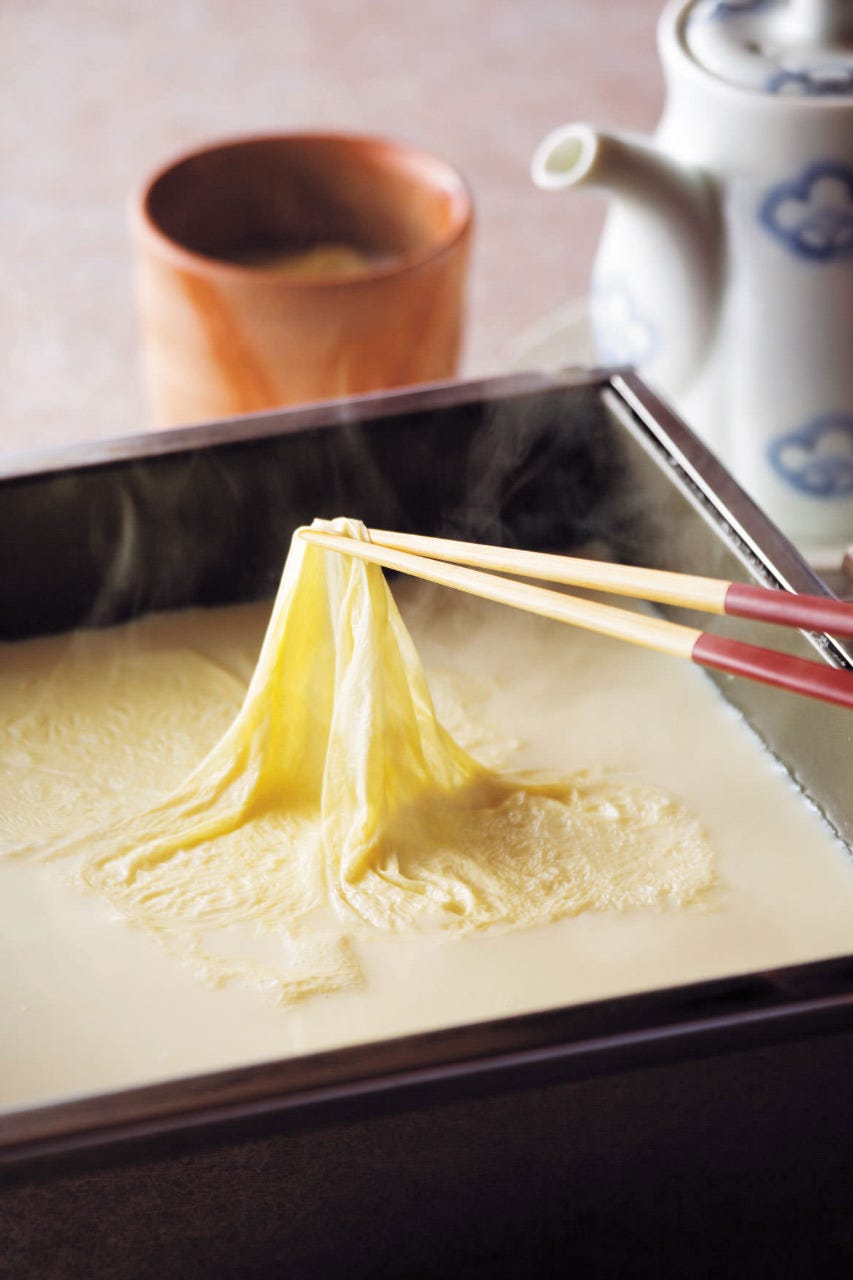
(790, 47)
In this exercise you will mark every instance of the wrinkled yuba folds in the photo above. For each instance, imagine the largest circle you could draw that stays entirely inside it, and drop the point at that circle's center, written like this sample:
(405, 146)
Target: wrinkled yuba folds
(335, 802)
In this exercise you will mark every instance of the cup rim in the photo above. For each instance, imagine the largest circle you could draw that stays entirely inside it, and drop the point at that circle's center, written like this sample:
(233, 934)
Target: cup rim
(179, 255)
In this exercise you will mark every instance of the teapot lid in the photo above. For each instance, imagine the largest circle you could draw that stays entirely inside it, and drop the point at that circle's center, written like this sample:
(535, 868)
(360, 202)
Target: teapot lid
(798, 48)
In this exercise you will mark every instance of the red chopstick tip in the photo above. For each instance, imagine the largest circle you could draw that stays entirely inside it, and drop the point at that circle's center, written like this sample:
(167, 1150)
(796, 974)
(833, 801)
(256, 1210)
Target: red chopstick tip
(799, 675)
(789, 609)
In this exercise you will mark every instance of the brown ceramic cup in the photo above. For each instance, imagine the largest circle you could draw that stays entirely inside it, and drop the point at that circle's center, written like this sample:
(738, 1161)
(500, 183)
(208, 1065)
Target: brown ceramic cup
(284, 269)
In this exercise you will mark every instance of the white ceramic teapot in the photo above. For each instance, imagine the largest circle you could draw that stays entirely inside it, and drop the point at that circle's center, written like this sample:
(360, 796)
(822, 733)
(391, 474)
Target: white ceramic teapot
(725, 273)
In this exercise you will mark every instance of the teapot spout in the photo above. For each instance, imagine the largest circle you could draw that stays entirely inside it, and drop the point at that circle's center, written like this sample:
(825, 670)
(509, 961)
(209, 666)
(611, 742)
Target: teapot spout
(577, 155)
(634, 170)
(670, 226)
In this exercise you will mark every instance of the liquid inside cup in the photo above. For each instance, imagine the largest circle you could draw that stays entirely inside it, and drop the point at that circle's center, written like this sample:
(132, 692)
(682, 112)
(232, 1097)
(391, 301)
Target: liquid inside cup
(322, 260)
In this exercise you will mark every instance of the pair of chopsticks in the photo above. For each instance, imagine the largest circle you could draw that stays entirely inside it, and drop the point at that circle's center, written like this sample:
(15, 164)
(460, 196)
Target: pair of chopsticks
(457, 564)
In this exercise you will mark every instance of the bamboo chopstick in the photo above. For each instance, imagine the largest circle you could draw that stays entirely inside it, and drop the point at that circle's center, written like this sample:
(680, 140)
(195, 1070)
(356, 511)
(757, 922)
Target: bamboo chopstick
(766, 665)
(653, 633)
(712, 595)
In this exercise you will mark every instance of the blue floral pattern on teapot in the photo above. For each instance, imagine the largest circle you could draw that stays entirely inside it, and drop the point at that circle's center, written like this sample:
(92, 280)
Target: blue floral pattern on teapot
(813, 214)
(731, 8)
(817, 458)
(823, 79)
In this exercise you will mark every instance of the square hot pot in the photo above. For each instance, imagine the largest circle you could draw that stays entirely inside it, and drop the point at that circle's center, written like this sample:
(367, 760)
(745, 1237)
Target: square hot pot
(706, 1127)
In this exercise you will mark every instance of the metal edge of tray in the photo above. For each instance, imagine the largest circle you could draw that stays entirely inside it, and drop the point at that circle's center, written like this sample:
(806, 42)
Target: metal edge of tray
(573, 1042)
(624, 1033)
(321, 415)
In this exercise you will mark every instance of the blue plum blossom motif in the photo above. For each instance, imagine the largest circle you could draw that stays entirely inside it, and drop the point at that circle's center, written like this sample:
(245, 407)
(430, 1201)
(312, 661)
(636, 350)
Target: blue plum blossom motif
(623, 335)
(813, 214)
(817, 459)
(823, 80)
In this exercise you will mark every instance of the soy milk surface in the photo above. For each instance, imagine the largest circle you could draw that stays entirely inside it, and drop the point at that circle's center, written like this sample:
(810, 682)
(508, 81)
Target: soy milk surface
(89, 1003)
